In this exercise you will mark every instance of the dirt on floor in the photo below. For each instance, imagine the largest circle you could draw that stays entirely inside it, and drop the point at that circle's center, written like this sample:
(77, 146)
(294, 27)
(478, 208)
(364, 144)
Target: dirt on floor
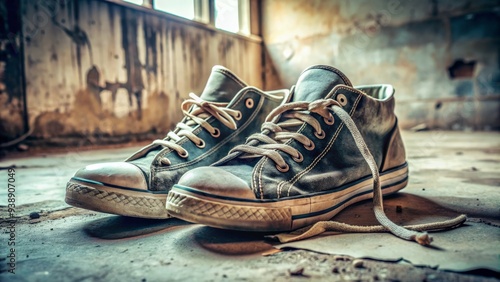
(450, 173)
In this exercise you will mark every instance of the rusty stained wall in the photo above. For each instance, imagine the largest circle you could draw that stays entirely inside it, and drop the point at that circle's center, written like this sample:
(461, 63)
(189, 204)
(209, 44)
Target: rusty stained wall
(96, 69)
(12, 122)
(415, 45)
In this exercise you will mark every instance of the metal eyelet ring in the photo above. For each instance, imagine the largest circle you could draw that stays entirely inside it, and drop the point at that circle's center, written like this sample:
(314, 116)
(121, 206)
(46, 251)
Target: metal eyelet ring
(238, 115)
(201, 145)
(185, 154)
(320, 135)
(342, 99)
(330, 120)
(298, 158)
(310, 147)
(216, 133)
(249, 103)
(283, 169)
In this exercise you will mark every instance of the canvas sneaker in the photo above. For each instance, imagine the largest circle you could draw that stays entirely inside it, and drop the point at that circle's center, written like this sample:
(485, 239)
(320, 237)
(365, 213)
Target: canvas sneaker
(224, 115)
(331, 146)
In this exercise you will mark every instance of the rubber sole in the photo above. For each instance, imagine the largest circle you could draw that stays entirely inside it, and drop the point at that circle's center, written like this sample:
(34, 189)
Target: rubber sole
(276, 215)
(112, 200)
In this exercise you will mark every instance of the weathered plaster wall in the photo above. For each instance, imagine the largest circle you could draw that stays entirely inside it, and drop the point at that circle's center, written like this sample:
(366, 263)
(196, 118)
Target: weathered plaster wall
(410, 44)
(12, 122)
(99, 69)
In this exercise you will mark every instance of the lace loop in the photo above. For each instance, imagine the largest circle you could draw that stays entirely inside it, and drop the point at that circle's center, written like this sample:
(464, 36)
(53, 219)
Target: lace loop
(215, 133)
(330, 120)
(320, 135)
(283, 169)
(299, 158)
(310, 146)
(201, 144)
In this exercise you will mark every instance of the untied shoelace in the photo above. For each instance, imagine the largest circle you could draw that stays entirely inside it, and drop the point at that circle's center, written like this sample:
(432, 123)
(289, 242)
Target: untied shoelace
(294, 115)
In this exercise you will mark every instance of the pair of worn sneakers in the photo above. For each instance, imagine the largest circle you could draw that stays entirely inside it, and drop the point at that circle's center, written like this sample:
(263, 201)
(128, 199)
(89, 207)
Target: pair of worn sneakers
(245, 159)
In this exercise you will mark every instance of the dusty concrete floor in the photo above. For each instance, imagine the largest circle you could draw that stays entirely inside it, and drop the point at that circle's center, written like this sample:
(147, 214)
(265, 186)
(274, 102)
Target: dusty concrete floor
(459, 171)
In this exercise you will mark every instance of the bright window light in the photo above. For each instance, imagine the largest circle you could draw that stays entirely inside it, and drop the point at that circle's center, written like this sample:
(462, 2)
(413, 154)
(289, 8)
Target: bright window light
(137, 2)
(184, 8)
(226, 15)
(229, 15)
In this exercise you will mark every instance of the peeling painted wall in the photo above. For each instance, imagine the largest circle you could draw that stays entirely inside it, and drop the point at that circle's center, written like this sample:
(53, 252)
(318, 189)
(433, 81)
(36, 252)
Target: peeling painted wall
(442, 56)
(12, 112)
(96, 69)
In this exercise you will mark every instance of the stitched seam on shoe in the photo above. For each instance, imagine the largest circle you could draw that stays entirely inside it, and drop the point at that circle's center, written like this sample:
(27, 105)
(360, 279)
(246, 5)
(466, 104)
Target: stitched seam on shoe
(313, 164)
(254, 184)
(263, 161)
(336, 71)
(259, 176)
(232, 76)
(281, 184)
(323, 153)
(278, 187)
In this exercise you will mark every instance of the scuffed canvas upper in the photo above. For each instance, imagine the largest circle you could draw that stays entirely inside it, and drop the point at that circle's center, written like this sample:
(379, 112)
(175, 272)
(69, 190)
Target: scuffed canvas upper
(144, 169)
(334, 161)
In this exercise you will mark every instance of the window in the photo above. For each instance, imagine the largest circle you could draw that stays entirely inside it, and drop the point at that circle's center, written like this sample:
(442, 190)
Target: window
(233, 15)
(184, 8)
(226, 15)
(137, 2)
(229, 15)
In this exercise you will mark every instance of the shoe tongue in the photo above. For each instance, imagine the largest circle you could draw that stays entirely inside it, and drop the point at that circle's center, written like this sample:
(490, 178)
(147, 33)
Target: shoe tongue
(222, 85)
(316, 82)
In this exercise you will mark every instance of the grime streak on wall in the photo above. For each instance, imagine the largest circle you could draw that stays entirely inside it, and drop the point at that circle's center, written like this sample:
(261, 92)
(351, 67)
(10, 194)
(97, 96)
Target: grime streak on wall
(98, 69)
(12, 107)
(410, 44)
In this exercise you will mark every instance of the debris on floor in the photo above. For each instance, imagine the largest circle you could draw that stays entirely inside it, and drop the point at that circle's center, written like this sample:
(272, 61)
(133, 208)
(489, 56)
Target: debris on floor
(59, 243)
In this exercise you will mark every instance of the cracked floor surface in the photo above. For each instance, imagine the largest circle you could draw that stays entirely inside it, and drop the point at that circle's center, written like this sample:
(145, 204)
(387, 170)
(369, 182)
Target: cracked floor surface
(458, 172)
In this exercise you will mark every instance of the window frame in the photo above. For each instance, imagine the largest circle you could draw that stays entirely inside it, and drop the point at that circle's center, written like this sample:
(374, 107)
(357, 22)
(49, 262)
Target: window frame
(204, 16)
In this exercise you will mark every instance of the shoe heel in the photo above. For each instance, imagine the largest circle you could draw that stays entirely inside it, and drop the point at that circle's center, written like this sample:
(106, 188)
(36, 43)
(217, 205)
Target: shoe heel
(395, 154)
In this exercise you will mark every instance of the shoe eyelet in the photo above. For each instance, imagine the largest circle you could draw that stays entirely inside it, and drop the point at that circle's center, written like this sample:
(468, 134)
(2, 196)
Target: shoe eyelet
(299, 158)
(283, 169)
(216, 133)
(320, 135)
(201, 145)
(310, 147)
(330, 120)
(342, 99)
(238, 115)
(249, 103)
(184, 154)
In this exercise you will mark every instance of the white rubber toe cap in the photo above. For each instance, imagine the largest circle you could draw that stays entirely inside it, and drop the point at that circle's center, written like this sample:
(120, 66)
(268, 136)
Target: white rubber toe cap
(119, 174)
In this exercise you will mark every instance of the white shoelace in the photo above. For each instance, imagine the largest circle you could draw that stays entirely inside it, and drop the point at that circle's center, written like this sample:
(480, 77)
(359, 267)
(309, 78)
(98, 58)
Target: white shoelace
(197, 115)
(324, 108)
